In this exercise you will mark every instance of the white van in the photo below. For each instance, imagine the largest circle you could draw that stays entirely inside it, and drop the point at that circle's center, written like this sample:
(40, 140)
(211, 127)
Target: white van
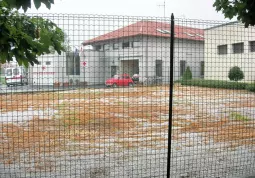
(16, 76)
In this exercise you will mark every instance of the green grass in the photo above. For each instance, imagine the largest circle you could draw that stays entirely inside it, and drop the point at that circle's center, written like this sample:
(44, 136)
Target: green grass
(238, 116)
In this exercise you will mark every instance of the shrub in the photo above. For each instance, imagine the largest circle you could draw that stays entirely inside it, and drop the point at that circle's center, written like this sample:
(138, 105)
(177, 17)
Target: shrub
(235, 74)
(251, 87)
(187, 74)
(2, 80)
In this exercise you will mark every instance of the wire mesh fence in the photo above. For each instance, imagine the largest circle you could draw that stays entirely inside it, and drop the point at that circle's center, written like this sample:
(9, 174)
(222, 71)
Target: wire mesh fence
(101, 109)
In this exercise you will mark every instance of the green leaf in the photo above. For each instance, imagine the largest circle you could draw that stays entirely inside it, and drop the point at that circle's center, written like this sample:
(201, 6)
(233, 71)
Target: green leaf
(244, 10)
(12, 3)
(18, 39)
(3, 57)
(37, 4)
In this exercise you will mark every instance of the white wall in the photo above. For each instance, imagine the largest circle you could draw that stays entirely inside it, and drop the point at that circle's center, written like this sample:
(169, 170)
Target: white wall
(217, 66)
(94, 70)
(189, 50)
(150, 50)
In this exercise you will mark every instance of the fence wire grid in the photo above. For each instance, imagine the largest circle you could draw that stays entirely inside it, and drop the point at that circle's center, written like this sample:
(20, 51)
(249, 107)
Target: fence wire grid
(101, 109)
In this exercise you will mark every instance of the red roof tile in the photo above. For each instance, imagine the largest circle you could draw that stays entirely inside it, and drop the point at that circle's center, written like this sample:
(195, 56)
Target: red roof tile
(152, 29)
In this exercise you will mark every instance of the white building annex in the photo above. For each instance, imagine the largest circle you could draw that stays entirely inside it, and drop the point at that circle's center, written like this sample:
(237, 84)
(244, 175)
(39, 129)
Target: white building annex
(143, 48)
(57, 70)
(229, 45)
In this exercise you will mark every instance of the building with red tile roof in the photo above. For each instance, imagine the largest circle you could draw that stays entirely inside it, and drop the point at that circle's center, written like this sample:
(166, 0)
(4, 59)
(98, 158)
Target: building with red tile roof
(150, 28)
(144, 48)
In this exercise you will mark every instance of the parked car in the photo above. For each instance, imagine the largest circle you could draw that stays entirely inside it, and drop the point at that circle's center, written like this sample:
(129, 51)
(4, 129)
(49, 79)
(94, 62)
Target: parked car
(119, 80)
(15, 76)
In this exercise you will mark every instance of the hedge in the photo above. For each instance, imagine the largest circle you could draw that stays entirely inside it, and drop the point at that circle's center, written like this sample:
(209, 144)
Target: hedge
(251, 87)
(215, 84)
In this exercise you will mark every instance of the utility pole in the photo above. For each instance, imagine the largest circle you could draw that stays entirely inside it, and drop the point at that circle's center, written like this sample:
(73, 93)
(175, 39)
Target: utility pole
(164, 6)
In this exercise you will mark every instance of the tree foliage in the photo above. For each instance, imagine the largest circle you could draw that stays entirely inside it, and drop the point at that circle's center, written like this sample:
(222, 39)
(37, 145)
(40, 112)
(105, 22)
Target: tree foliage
(24, 37)
(235, 74)
(243, 9)
(25, 4)
(187, 74)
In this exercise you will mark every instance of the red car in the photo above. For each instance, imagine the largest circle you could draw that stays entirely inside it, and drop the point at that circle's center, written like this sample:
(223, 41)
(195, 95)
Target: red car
(119, 80)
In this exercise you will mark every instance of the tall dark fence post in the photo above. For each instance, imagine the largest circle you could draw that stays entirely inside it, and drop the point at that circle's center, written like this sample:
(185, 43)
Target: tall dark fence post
(171, 97)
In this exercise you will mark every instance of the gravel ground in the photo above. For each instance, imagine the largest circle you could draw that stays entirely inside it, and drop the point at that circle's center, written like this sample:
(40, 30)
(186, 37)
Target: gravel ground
(208, 141)
(192, 162)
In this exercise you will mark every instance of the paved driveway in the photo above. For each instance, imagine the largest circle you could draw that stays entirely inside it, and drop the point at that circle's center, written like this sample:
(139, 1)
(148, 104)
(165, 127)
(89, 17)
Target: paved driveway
(35, 88)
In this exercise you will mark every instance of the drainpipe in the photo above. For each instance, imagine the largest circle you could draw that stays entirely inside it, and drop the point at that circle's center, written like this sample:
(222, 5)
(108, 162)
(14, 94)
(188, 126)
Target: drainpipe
(104, 66)
(147, 55)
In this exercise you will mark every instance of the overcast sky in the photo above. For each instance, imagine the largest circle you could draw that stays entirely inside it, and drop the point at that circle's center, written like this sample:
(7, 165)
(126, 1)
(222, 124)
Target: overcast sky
(78, 31)
(191, 9)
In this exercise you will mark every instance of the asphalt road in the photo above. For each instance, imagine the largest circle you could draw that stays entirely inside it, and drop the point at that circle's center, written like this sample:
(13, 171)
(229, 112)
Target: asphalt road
(35, 88)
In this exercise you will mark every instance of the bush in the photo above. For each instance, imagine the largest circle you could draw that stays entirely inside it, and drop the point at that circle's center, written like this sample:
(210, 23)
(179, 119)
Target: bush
(251, 87)
(187, 74)
(2, 80)
(214, 84)
(235, 74)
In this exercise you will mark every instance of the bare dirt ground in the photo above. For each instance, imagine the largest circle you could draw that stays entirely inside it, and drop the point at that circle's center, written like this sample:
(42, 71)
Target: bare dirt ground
(123, 132)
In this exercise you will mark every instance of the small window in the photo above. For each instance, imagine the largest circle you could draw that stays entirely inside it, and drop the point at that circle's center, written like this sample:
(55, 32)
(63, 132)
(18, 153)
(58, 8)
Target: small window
(113, 70)
(48, 63)
(125, 45)
(159, 68)
(202, 68)
(182, 67)
(39, 63)
(252, 46)
(115, 46)
(238, 48)
(106, 47)
(73, 65)
(222, 49)
(98, 47)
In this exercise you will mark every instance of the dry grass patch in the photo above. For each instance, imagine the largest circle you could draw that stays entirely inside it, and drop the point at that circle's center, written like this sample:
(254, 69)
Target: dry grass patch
(37, 137)
(98, 120)
(225, 131)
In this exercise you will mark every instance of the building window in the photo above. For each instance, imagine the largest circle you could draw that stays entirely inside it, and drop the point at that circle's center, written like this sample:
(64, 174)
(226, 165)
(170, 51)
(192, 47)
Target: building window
(98, 47)
(238, 48)
(202, 68)
(182, 67)
(252, 46)
(115, 46)
(106, 47)
(48, 63)
(223, 49)
(73, 64)
(125, 45)
(159, 68)
(113, 70)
